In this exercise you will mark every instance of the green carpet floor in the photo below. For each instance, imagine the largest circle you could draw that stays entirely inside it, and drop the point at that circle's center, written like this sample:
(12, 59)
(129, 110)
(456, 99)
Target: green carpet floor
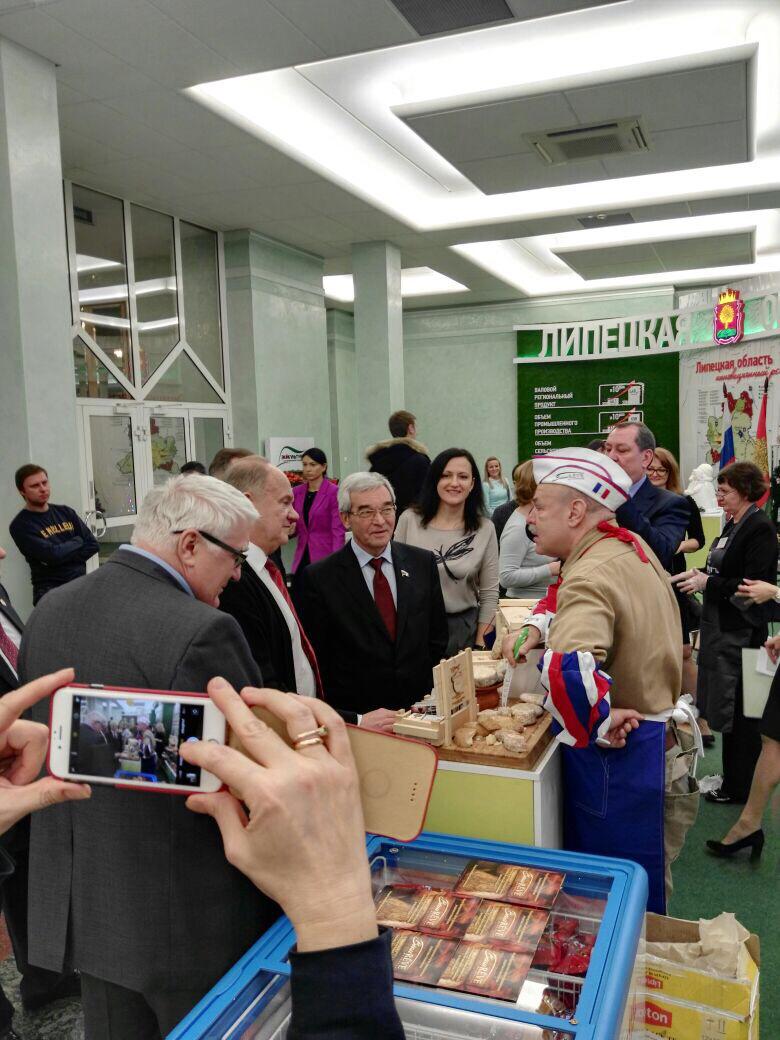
(704, 886)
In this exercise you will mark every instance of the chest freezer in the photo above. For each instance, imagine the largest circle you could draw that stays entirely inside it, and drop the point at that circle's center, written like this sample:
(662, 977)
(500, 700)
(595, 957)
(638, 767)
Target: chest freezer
(591, 995)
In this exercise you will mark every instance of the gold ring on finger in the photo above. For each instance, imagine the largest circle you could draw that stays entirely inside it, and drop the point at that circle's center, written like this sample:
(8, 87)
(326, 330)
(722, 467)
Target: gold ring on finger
(299, 745)
(320, 731)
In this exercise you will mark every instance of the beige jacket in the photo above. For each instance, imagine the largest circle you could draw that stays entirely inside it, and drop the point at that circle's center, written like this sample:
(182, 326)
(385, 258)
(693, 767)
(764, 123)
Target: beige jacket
(624, 612)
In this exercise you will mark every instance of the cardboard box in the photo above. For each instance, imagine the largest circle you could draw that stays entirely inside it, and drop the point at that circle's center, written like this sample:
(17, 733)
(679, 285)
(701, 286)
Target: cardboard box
(682, 1003)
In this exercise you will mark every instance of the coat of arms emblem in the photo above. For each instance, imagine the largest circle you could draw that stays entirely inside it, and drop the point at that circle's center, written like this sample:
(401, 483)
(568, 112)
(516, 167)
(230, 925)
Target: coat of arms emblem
(728, 318)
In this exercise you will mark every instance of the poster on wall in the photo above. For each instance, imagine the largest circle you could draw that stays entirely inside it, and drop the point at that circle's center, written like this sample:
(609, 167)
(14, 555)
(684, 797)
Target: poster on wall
(723, 412)
(286, 453)
(168, 447)
(563, 404)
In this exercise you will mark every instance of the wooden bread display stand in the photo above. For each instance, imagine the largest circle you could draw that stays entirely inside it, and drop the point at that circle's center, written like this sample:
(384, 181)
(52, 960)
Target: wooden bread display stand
(454, 704)
(511, 613)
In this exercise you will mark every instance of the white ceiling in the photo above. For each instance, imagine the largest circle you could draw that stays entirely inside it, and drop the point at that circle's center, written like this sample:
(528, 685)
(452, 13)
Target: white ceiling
(127, 128)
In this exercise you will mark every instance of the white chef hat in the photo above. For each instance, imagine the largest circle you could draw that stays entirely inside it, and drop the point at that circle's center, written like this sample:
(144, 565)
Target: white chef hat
(590, 472)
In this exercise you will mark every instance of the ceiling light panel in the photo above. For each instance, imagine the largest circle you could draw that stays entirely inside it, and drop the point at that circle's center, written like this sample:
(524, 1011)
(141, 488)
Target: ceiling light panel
(415, 281)
(340, 116)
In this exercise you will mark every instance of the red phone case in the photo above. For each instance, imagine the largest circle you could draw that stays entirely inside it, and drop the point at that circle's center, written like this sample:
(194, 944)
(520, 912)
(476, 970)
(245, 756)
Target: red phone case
(96, 688)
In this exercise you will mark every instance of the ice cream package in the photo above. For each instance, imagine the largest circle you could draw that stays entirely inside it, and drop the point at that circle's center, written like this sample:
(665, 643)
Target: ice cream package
(422, 909)
(517, 928)
(510, 883)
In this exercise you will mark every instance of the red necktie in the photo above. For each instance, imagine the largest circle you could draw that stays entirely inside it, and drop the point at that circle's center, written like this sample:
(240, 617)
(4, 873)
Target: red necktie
(308, 649)
(383, 597)
(8, 648)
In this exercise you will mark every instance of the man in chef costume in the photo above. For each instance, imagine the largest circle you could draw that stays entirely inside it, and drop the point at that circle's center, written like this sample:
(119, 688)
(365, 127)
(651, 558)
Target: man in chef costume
(612, 671)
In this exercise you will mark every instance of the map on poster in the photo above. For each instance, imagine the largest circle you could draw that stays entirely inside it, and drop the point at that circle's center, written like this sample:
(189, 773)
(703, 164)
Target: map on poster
(562, 404)
(723, 388)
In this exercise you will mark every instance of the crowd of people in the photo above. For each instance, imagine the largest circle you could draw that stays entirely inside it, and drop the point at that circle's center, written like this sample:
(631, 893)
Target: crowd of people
(394, 568)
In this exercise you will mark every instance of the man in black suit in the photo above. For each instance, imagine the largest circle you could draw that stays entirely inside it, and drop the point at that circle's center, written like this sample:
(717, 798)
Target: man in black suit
(374, 610)
(38, 986)
(181, 914)
(259, 601)
(657, 515)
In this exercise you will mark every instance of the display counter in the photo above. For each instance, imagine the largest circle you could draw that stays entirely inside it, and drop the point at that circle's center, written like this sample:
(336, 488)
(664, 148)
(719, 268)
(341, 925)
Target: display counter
(513, 800)
(592, 994)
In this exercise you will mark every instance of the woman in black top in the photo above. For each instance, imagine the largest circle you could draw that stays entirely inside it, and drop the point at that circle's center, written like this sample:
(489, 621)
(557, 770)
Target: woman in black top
(746, 548)
(664, 472)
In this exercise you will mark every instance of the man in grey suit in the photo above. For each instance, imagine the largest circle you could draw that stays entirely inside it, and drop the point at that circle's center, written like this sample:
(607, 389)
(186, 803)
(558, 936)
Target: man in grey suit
(131, 888)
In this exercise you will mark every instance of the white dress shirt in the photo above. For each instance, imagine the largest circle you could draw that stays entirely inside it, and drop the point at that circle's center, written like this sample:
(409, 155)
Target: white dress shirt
(305, 682)
(364, 559)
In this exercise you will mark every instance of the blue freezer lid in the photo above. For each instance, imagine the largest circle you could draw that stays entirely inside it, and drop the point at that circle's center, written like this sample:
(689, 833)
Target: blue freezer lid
(262, 972)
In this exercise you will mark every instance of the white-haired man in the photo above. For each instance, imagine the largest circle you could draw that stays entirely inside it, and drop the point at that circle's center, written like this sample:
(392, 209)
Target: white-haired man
(374, 610)
(613, 658)
(130, 888)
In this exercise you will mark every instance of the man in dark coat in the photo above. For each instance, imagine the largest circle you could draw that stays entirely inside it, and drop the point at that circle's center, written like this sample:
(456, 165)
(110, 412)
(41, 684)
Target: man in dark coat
(179, 914)
(657, 515)
(403, 460)
(374, 610)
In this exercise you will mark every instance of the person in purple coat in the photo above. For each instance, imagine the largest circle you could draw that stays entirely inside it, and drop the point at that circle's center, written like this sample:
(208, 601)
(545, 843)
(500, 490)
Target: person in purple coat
(319, 529)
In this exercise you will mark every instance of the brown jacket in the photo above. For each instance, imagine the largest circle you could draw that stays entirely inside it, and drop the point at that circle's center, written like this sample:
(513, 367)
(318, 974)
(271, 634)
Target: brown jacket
(624, 612)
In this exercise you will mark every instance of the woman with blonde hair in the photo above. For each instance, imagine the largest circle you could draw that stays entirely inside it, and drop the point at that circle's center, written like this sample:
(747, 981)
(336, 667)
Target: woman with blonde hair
(494, 486)
(664, 472)
(521, 570)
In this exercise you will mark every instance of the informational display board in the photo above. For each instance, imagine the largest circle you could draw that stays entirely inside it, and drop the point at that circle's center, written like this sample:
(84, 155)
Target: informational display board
(722, 389)
(568, 403)
(286, 452)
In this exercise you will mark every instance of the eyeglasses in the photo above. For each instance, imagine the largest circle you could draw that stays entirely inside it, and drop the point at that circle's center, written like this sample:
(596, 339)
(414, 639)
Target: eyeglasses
(238, 555)
(366, 513)
(658, 469)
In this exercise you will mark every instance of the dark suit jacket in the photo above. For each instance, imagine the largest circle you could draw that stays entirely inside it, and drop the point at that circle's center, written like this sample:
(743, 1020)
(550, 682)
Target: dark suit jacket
(133, 887)
(361, 668)
(659, 516)
(752, 554)
(8, 680)
(250, 602)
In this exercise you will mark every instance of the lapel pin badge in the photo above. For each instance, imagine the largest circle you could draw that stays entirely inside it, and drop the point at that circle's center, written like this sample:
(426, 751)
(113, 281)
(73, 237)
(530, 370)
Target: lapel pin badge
(404, 574)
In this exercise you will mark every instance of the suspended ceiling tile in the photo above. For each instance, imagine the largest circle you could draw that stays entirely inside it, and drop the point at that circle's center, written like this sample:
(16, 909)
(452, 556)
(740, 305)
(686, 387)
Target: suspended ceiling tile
(724, 204)
(142, 35)
(262, 164)
(348, 26)
(518, 172)
(665, 211)
(253, 35)
(716, 249)
(490, 130)
(678, 98)
(690, 148)
(656, 257)
(765, 200)
(80, 151)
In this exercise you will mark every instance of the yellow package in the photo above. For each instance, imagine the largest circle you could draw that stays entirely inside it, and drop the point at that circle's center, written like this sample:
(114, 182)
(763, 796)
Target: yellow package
(677, 1020)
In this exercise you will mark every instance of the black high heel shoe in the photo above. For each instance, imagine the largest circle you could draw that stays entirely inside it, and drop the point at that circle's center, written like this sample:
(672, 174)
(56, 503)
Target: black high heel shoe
(754, 842)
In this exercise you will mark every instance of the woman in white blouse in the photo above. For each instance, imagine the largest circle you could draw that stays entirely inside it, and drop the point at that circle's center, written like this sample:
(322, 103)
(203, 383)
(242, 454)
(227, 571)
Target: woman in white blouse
(521, 570)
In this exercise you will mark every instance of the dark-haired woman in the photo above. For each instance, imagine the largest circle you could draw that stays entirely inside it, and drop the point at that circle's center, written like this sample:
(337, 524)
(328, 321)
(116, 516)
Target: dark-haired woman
(449, 519)
(746, 548)
(319, 529)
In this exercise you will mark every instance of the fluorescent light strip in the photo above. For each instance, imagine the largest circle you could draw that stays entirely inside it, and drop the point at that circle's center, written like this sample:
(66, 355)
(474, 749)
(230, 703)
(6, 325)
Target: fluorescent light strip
(114, 293)
(86, 263)
(415, 281)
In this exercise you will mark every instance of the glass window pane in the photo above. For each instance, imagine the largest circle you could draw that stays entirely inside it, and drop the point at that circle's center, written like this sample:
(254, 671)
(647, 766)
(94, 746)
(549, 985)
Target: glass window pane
(200, 283)
(168, 446)
(112, 539)
(101, 266)
(93, 379)
(113, 466)
(183, 382)
(155, 286)
(209, 438)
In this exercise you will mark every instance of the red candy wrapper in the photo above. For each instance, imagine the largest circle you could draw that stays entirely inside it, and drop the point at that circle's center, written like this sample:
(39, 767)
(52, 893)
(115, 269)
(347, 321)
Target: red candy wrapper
(421, 958)
(425, 910)
(516, 928)
(486, 970)
(509, 883)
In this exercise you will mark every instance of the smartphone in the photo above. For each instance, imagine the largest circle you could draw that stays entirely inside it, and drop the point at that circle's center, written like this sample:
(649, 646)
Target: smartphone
(130, 738)
(396, 777)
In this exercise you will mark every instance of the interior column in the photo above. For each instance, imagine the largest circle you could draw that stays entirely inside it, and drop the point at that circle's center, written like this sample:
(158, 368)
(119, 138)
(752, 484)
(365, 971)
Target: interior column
(37, 388)
(376, 269)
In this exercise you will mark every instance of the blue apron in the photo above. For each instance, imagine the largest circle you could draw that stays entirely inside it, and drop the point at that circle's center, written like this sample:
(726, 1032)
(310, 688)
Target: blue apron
(614, 803)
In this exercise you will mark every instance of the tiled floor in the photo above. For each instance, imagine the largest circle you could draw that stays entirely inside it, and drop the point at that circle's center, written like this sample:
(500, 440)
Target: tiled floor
(59, 1021)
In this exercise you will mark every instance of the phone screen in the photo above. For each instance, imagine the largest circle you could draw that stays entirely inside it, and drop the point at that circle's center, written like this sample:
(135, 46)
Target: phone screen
(134, 739)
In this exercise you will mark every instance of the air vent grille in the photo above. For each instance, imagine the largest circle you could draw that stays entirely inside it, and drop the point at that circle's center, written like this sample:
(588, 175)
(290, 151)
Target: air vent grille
(595, 220)
(428, 17)
(578, 143)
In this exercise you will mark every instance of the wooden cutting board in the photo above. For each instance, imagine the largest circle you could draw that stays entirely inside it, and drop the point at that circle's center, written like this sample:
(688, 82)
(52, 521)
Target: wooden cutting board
(538, 738)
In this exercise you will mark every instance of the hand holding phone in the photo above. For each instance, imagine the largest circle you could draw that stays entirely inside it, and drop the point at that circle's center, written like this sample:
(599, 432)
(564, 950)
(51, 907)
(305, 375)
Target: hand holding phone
(303, 840)
(22, 752)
